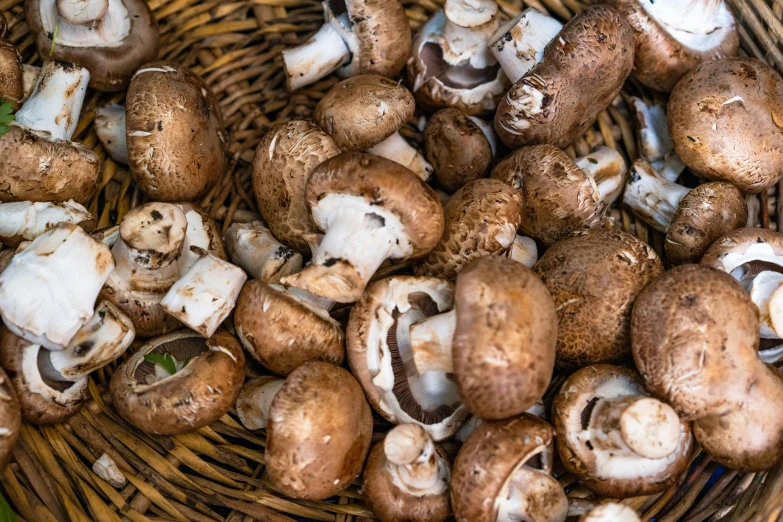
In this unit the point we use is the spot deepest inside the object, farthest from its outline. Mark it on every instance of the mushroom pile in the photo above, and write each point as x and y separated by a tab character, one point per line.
391	281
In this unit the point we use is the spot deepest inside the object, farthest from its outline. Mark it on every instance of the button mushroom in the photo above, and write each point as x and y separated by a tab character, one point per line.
110	127
371	209
179	382
10	419
407	477
110	38
11	74
255	250
26	220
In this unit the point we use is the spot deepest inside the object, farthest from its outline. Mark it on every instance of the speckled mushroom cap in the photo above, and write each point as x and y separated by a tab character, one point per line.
282	332
481	219
745	245
284	160
11	74
318	433
607	465
198	394
364	110
582	70
10	420
725	122
594	278
174	132
558	198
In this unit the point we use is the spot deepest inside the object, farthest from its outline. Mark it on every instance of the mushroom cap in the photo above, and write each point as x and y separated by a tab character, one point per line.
318	432
174	132
504	343
744	245
481	219
71	172
594	278
457	148
111	67
362	111
10	420
11	74
284	159
282	332
558	198
143	308
633	475
695	337
198	394
705	214
386	184
725	119
582	70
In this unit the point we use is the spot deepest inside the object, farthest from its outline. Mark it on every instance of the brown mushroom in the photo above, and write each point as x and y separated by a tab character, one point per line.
26	220
11	75
10	419
255	250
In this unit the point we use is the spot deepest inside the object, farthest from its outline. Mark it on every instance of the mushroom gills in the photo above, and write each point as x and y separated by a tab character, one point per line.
519	44
395	148
110	127
110	30
182	351
458	76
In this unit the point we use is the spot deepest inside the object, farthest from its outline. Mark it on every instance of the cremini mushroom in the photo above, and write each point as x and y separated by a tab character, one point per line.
110	127
370	209
614	437
10	419
504	472
38	162
519	44
723	118
654	141
358	37
407	477
26	220
255	401
199	384
11	74
254	248
610	512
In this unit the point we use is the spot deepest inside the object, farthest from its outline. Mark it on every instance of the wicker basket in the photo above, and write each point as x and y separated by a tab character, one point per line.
217	473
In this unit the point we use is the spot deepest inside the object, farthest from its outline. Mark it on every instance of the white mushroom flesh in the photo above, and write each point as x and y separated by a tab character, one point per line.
611	512
110	127
320	305
607	169
655	143
109	31
431	342
255	401
470	13
763	289
523	250
519	44
322	54
197	234
531	494
489	133
524	107
30	75
26	220
107	469
701	25
254	248
413	463
82	12
651	197
468	45
397	149
35	384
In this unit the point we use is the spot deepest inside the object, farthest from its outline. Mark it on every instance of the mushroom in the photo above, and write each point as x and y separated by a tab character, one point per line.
110	127
694	334
582	70
358	37
504	472
38	162
364	113
523	250
319	431
48	291
560	195
407	477
255	250
610	512
30	74
110	38
11	76
174	133
481	219
10	419
617	440
107	469
594	278
653	139
283	162
26	220
450	64
255	401
723	119
370	209
673	37
200	384
202	232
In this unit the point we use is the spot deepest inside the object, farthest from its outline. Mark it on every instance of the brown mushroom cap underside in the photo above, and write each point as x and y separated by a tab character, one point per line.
388	185
726	122
504	342
738	242
11	74
694	332
110	68
34	168
557	196
318	433
582	70
284	333
284	160
186	136
477	216
364	110
391	504
659	59
594	278
706	213
10	419
148	317
197	395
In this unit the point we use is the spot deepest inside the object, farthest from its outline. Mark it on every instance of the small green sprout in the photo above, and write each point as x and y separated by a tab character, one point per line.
166	361
6	115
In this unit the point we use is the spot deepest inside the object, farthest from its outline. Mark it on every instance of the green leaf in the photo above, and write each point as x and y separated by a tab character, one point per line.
6	115
54	38
6	513
164	361
186	362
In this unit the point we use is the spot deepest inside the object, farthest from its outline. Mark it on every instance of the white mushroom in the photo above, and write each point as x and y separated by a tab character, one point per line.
110	127
519	43
252	247
26	220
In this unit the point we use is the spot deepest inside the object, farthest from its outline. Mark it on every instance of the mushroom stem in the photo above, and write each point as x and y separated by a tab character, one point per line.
56	101
30	75
489	133
519	44
524	250
82	12
655	143
461	43
253	248
531	494
698	24
318	57
26	220
610	512
255	401
110	126
431	342
607	168
651	197
397	149
765	292
413	461
314	301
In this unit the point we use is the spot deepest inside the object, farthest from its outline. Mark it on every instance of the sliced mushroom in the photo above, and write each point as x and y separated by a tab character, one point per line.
10	419
610	512
255	401
11	74
255	250
519	44
110	127
26	220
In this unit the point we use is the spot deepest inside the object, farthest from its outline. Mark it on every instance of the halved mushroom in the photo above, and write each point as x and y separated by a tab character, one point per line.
560	195
110	127
255	401
481	219
11	74
724	120
38	162
10	419
519	44
594	278
110	38
371	209
26	220
197	386
358	37
616	439
653	139
253	248
504	472
610	512
407	477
